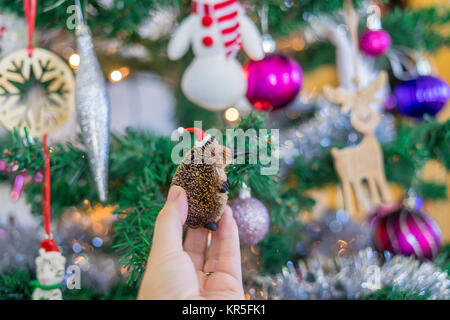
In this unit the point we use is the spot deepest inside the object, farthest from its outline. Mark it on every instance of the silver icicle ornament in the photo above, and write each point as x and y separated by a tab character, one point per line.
92	104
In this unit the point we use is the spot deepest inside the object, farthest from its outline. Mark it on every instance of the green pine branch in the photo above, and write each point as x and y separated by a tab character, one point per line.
418	29
140	173
415	29
15	284
141	170
142	199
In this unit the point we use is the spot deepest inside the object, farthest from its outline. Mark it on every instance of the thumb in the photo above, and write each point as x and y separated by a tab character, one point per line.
168	232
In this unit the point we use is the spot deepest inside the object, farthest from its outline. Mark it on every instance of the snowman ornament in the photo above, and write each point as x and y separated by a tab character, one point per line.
217	29
50	266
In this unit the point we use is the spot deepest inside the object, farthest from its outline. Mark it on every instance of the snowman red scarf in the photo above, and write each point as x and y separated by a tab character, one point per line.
226	15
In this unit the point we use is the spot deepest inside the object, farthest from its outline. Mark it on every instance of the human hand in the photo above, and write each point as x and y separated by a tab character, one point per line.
190	270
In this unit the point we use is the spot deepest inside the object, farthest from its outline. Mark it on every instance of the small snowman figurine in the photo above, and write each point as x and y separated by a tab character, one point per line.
217	29
50	265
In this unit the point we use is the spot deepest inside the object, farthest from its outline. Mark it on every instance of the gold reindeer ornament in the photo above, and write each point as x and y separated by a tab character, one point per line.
363	162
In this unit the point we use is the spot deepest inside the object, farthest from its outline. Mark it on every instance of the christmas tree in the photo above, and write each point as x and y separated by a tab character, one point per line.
346	100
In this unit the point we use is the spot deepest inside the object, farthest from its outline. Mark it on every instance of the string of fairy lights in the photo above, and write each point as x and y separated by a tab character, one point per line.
115	75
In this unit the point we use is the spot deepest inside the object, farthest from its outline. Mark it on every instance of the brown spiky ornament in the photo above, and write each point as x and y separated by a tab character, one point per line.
202	175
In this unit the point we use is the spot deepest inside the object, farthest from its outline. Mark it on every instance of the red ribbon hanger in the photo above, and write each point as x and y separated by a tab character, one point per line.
29	6
45	188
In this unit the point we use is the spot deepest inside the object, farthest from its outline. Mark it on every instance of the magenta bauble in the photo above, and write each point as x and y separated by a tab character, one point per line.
374	43
273	82
400	230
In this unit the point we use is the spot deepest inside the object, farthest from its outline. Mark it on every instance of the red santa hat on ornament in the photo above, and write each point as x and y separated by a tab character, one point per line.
202	136
49	245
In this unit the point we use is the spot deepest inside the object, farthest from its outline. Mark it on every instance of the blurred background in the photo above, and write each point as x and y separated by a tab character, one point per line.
312	248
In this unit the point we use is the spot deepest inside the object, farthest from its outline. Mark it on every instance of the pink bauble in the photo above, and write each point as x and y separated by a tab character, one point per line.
374	43
252	219
405	231
273	82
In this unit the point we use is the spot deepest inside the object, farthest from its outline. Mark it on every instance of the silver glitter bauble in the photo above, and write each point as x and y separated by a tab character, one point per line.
252	219
92	105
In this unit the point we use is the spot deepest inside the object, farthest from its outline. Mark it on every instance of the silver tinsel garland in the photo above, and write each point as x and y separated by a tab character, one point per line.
328	127
351	277
19	246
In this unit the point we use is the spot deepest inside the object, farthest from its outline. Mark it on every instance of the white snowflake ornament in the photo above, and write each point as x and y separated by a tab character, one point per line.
36	91
216	29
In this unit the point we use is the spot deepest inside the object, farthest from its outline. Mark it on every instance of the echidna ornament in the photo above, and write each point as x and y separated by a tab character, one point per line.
202	175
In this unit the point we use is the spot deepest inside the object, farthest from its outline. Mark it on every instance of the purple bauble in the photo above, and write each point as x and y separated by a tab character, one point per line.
273	82
252	219
405	231
374	43
424	95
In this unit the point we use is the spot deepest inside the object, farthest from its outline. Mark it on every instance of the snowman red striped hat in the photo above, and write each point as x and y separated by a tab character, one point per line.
226	14
202	136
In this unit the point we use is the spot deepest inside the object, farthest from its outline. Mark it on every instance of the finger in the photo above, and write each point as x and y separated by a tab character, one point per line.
195	244
168	232
224	254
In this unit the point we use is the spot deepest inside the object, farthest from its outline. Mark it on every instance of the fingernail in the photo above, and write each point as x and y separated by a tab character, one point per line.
174	193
